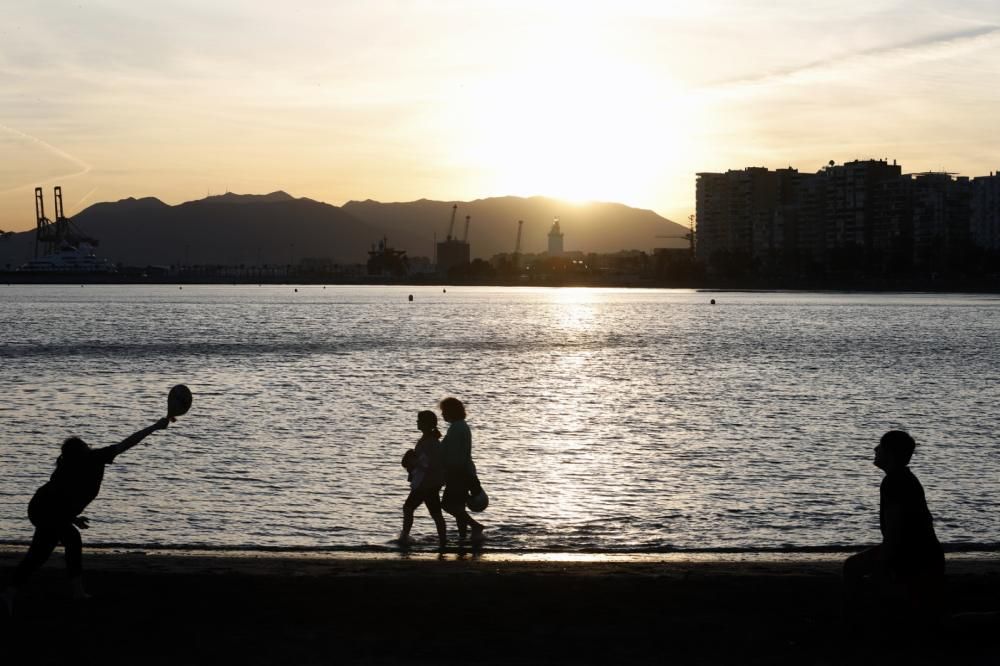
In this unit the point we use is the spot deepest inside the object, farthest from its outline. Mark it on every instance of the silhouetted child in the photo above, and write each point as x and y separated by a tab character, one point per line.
425	472
56	507
910	555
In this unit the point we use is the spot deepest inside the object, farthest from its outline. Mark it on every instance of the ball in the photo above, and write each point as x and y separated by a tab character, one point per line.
178	401
478	502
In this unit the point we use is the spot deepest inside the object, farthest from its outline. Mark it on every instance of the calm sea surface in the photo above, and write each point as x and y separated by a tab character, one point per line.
612	420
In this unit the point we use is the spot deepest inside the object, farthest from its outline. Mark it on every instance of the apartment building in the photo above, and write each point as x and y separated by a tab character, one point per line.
864	215
984	211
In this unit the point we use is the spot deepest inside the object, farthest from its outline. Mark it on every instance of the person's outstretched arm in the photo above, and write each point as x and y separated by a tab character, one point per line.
137	437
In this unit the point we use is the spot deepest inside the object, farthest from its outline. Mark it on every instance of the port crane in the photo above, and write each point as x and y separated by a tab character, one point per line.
517	245
689	236
451	225
54	235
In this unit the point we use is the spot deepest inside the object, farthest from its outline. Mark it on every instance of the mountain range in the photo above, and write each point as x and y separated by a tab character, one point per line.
277	228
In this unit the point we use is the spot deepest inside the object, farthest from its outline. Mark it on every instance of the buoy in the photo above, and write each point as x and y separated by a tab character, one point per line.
713	301
444	291
411	298
296	291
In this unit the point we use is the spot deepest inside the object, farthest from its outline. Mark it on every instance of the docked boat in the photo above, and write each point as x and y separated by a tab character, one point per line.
69	259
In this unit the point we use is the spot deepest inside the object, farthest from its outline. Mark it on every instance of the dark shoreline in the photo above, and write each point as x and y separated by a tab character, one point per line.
160	608
979	286
983	550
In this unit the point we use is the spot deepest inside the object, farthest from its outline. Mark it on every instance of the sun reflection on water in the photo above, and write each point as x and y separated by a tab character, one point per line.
574	308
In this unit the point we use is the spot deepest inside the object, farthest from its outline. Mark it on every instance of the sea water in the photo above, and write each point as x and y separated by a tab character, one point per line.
602	420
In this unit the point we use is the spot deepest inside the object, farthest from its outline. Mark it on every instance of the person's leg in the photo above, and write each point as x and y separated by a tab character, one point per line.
475	527
44	541
460	516
433	502
409	506
474	489
926	591
857	569
463	519
453	502
73	545
455	505
863	564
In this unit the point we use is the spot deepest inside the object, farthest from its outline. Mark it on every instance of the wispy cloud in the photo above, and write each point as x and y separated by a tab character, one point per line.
928	47
82	168
79	203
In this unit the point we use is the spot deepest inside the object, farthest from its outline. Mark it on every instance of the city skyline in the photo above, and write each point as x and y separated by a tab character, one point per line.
862	217
397	102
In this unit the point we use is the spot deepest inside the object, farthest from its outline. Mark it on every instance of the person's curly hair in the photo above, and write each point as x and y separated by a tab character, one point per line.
453	406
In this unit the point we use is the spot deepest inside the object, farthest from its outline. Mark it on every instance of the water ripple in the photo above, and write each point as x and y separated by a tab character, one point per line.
603	420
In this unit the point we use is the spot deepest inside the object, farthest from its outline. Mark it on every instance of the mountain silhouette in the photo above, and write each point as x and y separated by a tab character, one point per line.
230	197
590	227
277	229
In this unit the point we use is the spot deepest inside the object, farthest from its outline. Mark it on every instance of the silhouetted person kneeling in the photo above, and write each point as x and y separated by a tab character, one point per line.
910	557
56	507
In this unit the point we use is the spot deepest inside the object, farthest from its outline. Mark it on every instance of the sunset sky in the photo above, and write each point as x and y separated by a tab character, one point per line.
612	101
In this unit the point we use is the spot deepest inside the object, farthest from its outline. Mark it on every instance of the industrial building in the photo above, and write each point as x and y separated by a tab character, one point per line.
555	239
452	252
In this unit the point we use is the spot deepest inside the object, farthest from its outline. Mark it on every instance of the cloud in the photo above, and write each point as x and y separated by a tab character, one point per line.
929	47
82	168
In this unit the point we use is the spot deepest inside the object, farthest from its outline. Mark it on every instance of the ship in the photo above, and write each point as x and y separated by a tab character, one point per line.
67	251
70	259
385	261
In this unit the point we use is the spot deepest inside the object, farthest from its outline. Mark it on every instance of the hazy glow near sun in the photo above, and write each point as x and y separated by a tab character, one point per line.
580	125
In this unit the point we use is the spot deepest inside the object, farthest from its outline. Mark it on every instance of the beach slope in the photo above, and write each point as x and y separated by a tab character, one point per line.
194	608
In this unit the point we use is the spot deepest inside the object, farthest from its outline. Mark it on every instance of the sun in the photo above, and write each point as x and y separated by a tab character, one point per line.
575	125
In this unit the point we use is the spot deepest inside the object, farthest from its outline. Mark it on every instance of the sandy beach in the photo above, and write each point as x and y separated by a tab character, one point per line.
168	607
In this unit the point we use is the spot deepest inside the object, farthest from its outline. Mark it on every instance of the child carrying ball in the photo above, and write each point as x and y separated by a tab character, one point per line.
425	468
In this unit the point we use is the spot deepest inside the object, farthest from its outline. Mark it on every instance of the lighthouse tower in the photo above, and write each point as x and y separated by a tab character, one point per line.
555	239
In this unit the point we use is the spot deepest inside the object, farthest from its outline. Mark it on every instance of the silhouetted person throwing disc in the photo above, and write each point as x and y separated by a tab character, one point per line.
56	507
910	555
459	472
